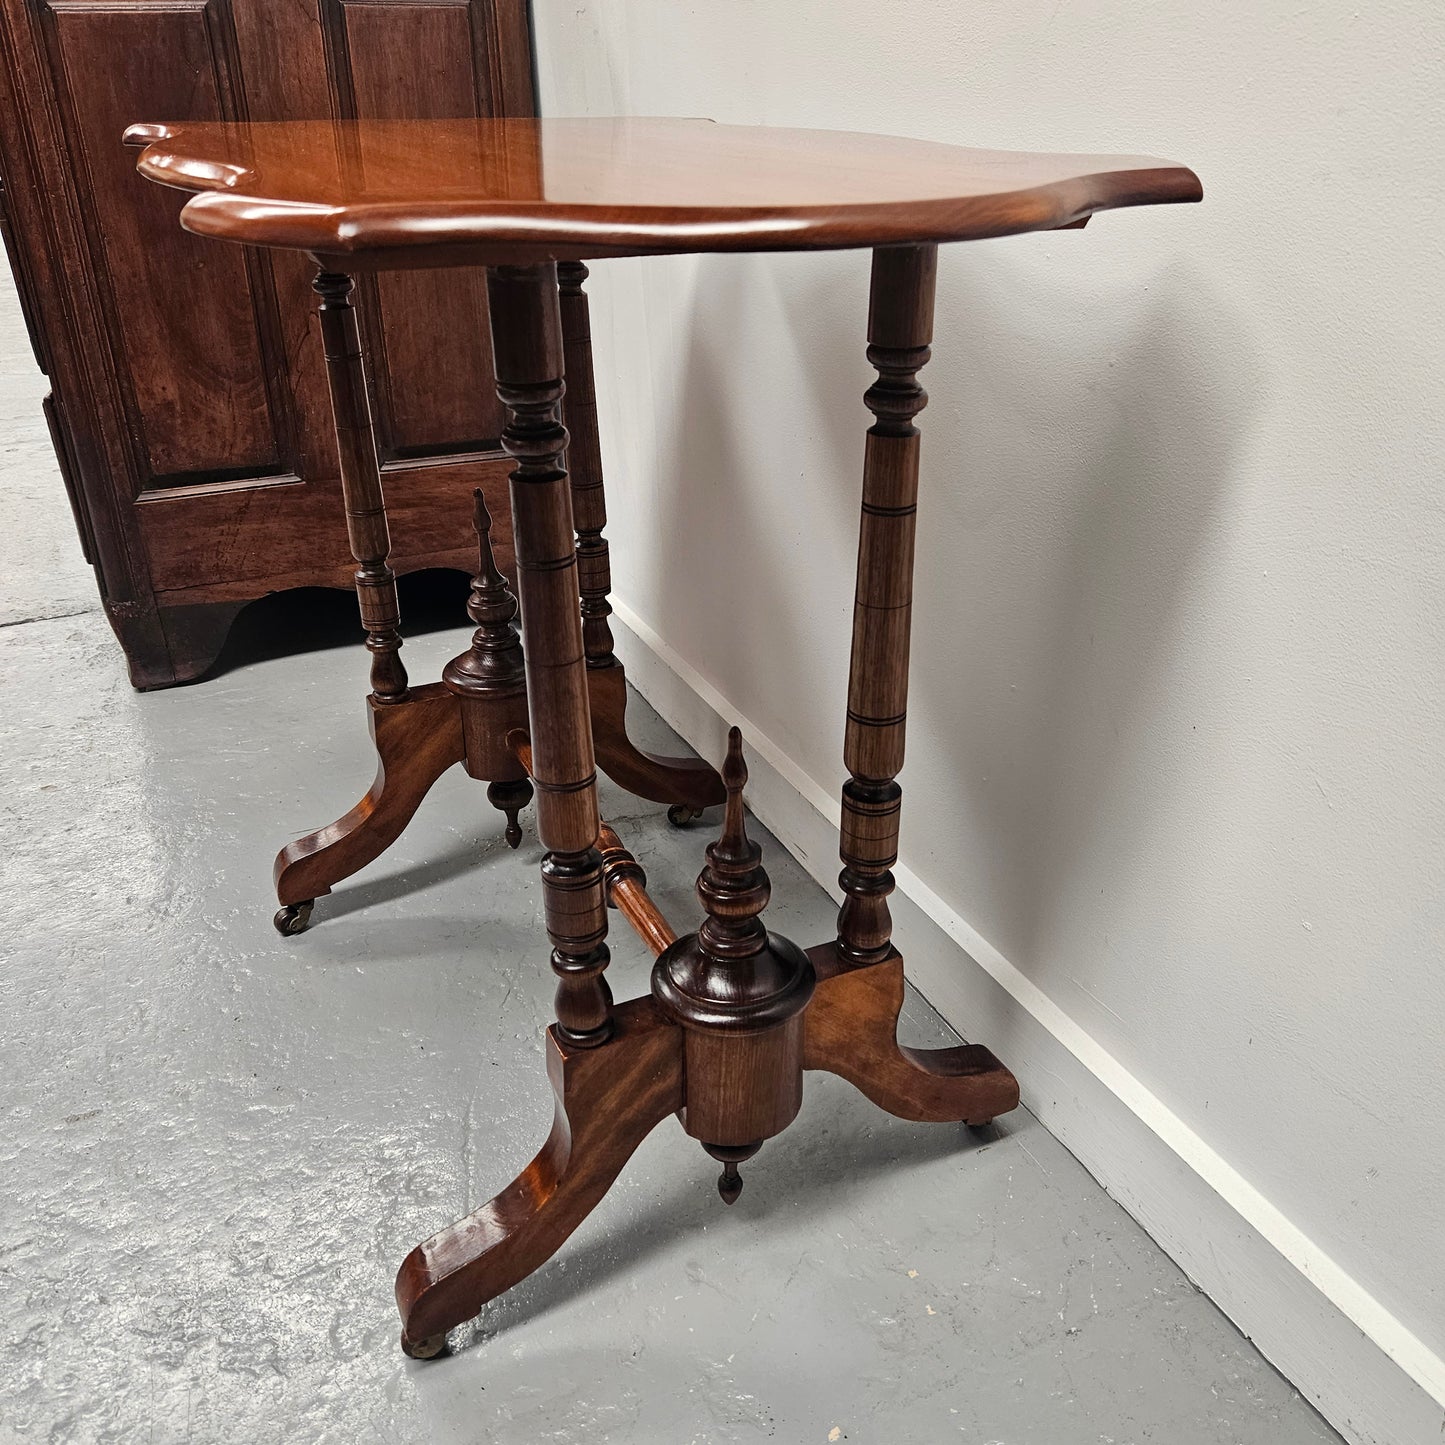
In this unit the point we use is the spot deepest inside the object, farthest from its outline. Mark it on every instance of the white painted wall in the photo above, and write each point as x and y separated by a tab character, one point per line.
1175	738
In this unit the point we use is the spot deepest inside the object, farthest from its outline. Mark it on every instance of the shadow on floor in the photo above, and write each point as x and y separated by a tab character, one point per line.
841	1155
467	856
317	619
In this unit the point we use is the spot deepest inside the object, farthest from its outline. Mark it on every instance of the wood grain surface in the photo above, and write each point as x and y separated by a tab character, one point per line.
437	192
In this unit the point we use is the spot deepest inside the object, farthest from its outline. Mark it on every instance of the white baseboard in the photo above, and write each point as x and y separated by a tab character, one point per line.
1366	1373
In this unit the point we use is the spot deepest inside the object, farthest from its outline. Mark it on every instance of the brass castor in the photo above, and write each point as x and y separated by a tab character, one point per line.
294	918
681	814
984	1128
427	1349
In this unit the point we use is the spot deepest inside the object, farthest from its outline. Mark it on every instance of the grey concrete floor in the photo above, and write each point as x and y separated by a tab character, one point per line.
220	1143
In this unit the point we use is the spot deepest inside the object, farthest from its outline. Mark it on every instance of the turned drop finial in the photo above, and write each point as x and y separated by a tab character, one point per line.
730	1182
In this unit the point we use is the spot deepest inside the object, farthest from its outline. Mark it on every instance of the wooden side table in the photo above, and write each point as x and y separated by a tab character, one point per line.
736	1013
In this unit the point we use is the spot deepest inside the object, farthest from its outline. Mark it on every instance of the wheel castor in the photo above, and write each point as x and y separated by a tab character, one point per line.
681	814
294	918
984	1128
427	1349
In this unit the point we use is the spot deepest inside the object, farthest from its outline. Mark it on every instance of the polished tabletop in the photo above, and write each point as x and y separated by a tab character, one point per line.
526	189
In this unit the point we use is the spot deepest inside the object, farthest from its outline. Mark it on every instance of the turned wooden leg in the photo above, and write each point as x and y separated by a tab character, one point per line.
687	784
900	327
361	486
527	348
615	1074
851	1025
584	466
417	740
417	746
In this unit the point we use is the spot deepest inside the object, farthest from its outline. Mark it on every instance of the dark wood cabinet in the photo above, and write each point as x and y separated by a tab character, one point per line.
189	405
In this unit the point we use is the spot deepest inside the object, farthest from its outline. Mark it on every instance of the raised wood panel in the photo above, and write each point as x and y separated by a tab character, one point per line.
435	393
270	532
282	62
422	59
414	59
182	309
282	59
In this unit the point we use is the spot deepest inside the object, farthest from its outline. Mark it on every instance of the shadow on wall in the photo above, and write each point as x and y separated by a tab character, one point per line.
1051	620
1077	455
316	619
735	462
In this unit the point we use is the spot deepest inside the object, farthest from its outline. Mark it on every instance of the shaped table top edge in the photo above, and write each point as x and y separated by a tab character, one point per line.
425	231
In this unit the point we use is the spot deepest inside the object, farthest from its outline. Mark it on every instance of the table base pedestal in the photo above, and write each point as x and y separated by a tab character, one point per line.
421	735
737	1014
420	732
714	1076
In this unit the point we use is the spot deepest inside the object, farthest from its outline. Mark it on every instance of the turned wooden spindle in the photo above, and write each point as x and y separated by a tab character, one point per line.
739	993
527	352
584	467
361	485
900	328
491	669
626	886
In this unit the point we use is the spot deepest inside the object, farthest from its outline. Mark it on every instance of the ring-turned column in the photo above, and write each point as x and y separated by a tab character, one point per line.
527	353
366	527
584	467
900	328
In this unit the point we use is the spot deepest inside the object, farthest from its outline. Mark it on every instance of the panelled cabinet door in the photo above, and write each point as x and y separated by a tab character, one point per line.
192	326
199	410
427	333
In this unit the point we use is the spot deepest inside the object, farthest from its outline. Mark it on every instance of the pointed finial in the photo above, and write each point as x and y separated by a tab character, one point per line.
489	574
492	665
733	845
494	660
733	887
735	766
